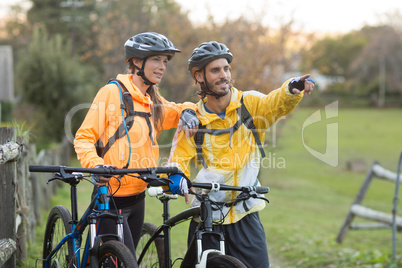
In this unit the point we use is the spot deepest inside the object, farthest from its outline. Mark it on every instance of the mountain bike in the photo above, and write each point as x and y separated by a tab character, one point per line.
64	232
154	248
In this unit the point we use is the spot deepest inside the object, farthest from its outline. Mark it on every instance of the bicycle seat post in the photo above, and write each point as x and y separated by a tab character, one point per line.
166	213
166	231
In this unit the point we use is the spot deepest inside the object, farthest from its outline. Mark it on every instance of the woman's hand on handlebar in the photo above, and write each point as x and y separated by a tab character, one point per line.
100	180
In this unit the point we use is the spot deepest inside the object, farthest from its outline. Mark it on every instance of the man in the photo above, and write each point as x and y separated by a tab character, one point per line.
231	155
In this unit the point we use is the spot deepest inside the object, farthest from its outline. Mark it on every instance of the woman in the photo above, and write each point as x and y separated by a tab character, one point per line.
147	55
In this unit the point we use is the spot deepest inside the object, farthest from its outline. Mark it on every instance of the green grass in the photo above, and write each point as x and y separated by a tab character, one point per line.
310	199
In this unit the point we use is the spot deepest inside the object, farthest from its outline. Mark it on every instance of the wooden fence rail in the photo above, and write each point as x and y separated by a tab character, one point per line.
23	195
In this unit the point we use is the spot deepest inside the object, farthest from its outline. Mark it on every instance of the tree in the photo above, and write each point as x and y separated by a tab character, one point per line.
333	55
377	68
123	19
16	31
261	54
368	59
72	20
53	81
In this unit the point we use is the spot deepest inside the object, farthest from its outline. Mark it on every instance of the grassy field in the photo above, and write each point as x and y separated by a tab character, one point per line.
310	198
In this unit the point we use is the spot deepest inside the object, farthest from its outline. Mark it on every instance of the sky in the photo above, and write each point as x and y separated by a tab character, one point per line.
338	16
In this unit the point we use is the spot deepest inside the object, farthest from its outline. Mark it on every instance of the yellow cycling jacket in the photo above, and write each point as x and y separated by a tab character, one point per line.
233	160
102	120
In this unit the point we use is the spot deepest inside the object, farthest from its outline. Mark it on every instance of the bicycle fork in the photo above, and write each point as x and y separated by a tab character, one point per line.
202	256
196	256
95	239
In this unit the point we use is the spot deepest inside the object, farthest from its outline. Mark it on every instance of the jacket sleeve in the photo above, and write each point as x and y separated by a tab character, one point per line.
182	153
172	112
93	127
270	108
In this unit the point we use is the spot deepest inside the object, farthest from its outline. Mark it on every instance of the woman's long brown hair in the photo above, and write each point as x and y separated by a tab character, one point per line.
157	107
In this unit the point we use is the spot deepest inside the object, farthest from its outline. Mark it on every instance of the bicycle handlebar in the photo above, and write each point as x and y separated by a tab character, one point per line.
108	171
210	186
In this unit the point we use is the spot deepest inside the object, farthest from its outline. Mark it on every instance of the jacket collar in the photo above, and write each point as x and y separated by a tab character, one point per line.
207	118
137	95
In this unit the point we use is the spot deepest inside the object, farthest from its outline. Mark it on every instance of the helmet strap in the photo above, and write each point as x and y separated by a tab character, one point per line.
141	73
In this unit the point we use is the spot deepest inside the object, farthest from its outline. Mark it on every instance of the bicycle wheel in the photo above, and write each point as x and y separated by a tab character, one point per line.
224	261
153	255
57	227
115	254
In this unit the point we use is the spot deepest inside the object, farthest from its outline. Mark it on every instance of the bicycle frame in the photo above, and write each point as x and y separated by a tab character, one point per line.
89	218
164	229
96	211
195	250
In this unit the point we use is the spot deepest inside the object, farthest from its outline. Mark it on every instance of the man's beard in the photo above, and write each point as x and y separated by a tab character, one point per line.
219	93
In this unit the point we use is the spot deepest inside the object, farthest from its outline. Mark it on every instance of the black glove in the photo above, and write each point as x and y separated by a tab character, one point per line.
188	119
298	84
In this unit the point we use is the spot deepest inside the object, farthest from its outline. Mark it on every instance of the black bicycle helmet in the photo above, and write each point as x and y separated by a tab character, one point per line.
207	52
147	44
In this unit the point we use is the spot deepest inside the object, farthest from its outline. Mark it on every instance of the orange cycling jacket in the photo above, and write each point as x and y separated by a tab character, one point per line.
102	121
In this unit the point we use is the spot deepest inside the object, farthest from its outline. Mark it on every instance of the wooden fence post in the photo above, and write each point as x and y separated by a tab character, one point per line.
23	199
36	211
7	195
381	219
23	195
358	200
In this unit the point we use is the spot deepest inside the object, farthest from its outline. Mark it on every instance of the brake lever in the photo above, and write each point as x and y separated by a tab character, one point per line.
148	177
66	177
253	194
166	180
154	180
263	198
57	176
160	182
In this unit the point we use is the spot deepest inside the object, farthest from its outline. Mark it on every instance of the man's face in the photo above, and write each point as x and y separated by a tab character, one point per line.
218	76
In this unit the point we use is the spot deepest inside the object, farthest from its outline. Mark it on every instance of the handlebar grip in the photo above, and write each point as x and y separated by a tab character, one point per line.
167	170
261	190
34	168
155	191
158	191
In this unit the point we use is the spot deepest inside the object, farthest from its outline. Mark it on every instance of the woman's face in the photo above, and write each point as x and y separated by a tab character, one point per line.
155	68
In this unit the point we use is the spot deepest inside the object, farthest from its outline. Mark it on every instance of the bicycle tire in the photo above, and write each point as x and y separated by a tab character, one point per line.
224	261
115	254
154	254
58	226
